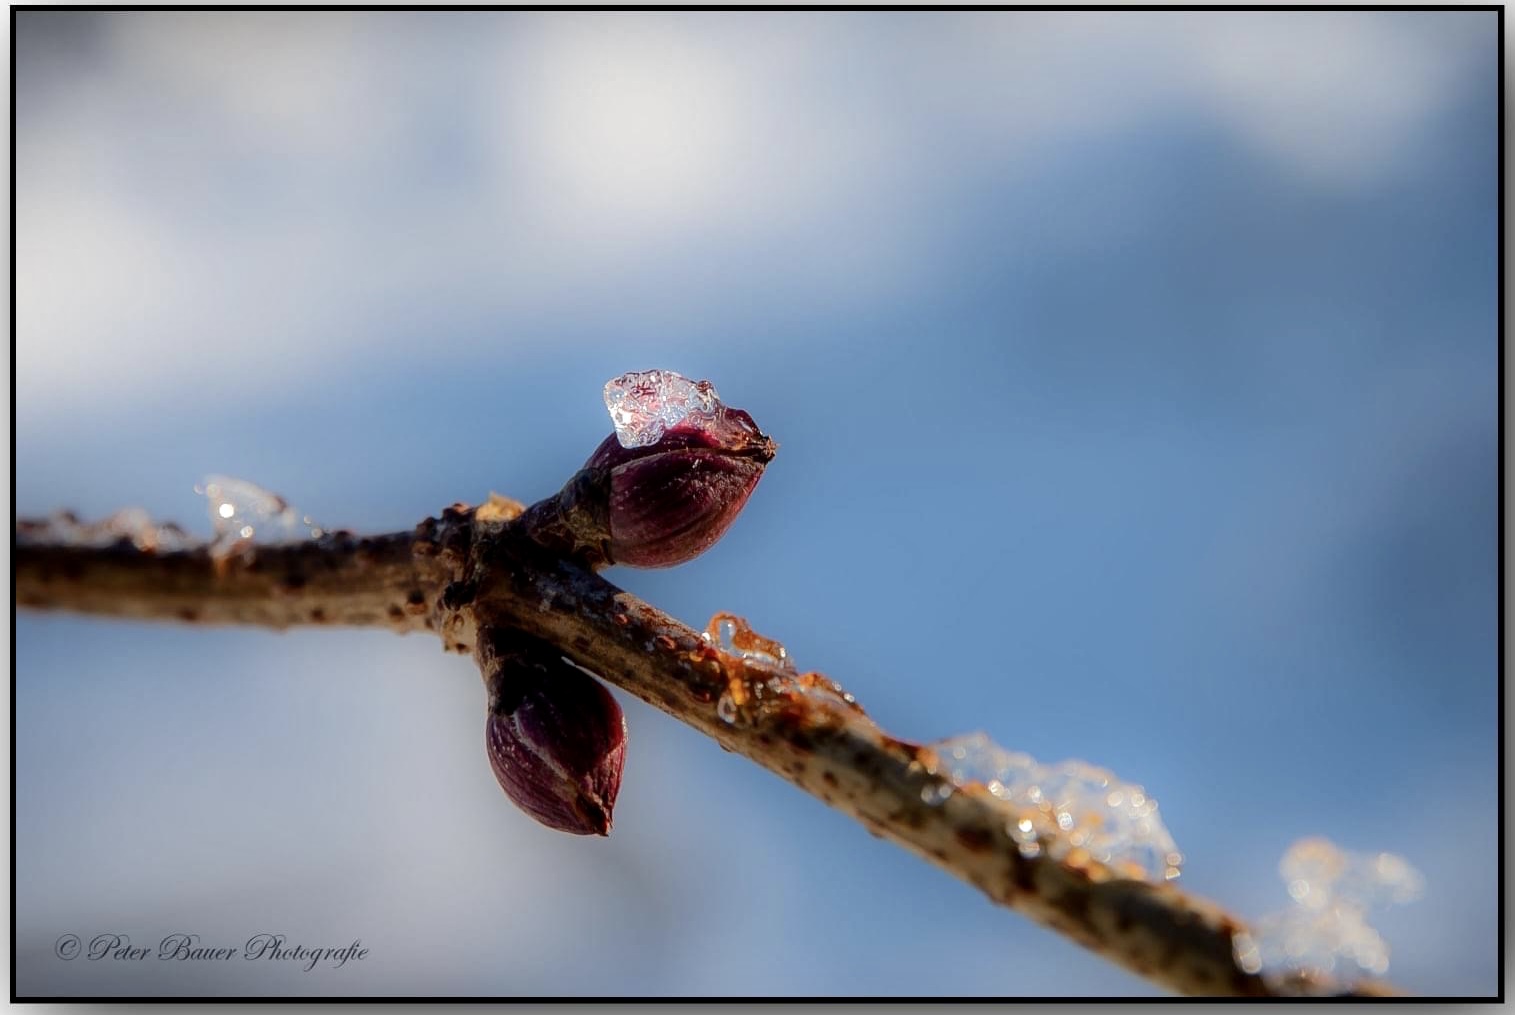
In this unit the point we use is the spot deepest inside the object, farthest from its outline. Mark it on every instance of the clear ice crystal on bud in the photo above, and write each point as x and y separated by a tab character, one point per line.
1324	934
646	404
243	514
1067	806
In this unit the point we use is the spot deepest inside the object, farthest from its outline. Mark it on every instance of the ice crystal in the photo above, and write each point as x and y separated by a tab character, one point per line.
1062	807
1324	934
646	404
735	639
734	636
243	514
128	526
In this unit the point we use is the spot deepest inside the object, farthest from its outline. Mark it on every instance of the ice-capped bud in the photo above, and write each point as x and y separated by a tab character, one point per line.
556	739
678	469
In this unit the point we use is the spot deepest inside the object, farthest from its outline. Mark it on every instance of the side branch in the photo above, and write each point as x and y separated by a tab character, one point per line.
382	581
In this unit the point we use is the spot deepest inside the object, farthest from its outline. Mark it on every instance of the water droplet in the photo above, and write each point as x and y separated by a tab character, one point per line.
1022	831
733	636
936	793
1248	956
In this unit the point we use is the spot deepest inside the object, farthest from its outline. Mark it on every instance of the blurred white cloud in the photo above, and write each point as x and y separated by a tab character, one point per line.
625	120
226	201
304	88
1338	96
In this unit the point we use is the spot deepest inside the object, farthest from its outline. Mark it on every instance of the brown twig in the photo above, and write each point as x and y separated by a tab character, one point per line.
476	570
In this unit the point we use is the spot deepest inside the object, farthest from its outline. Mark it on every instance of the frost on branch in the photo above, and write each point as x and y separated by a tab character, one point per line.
1324	937
1062	808
130	525
242	514
734	636
731	640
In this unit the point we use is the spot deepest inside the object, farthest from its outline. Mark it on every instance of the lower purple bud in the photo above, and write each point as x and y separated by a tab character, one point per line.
557	742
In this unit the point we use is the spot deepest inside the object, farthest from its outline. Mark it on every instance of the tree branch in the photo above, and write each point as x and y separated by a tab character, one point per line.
474	570
379	581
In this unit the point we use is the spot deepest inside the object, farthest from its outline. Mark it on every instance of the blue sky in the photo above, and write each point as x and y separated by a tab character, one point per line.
1136	382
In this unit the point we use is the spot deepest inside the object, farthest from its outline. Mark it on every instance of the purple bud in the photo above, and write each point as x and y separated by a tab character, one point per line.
556	741
672	500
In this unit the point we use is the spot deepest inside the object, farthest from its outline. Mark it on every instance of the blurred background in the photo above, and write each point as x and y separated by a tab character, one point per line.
1136	382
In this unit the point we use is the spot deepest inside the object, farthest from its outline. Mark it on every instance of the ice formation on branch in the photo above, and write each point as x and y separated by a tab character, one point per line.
1325	934
242	514
130	525
1064	807
646	404
734	636
731	639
